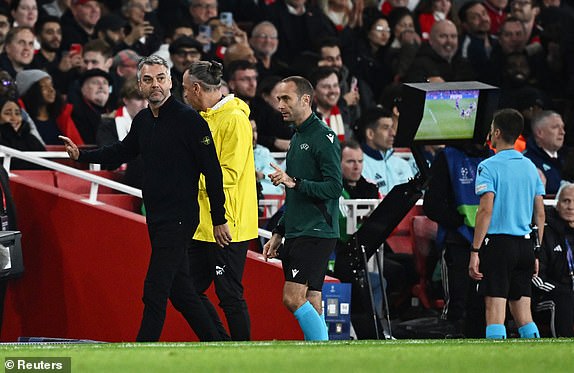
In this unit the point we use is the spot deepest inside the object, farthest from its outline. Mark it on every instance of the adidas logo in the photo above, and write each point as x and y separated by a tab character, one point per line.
294	272
558	248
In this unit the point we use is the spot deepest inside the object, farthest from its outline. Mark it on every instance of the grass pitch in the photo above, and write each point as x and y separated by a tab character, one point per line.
513	355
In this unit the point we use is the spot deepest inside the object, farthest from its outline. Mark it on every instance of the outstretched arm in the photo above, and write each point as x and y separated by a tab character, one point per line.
71	148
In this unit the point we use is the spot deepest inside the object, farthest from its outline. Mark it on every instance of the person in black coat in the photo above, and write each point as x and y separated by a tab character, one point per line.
9	210
555	280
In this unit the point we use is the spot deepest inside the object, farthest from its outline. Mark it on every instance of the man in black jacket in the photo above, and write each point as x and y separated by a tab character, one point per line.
555	280
176	146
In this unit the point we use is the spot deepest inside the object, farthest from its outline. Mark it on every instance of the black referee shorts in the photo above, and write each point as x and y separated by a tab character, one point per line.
507	263
305	260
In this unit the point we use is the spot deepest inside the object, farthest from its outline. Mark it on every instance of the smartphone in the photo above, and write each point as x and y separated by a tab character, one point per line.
354	85
226	19
75	48
205	34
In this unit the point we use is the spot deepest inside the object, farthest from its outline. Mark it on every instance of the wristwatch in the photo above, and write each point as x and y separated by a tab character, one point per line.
297	182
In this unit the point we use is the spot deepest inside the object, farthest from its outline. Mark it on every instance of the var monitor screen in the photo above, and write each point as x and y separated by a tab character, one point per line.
448	115
445	113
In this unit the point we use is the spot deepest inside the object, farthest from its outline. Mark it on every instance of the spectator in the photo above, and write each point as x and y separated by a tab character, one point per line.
272	132
8	90
405	42
49	34
200	11
438	60
295	21
381	167
511	39
143	33
87	112
526	11
544	147
111	29
555	280
183	51
476	43
79	22
242	80
342	13
18	50
15	133
366	53
228	119
51	116
264	41
327	94
125	64
24	12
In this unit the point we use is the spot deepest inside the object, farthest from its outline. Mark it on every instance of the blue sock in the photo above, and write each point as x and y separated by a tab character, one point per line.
529	331
313	327
495	331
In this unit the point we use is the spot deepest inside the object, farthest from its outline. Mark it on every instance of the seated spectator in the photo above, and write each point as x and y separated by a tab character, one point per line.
18	50
511	39
555	280
111	29
15	133
404	44
342	13
24	12
4	26
241	78
95	90
325	81
381	166
264	40
79	22
143	33
51	116
438	60
239	51
365	52
8	90
124	66
296	21
182	51
544	147
273	132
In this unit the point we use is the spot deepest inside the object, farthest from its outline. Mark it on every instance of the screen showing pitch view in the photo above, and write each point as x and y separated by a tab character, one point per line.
448	115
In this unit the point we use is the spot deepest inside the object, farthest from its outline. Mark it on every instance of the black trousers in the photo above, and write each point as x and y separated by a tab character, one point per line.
563	298
168	277
224	267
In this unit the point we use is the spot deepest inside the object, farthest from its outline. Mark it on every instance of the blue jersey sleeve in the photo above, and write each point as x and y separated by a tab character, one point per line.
484	180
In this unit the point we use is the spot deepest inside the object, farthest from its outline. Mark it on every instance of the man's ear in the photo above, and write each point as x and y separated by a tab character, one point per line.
369	133
108	63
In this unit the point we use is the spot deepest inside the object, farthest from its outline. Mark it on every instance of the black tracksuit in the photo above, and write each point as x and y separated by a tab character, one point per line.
175	147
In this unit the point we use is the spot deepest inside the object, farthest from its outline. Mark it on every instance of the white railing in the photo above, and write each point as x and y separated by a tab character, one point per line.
36	158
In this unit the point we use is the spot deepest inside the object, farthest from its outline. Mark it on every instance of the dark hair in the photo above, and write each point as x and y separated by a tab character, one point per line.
34	99
370	118
236	66
510	123
351	144
6	13
329	42
370	16
465	7
9	89
302	86
98	45
208	73
266	85
397	14
42	21
321	73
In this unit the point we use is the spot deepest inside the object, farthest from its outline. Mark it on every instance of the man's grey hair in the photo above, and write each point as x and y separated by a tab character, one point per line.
154	59
563	186
539	119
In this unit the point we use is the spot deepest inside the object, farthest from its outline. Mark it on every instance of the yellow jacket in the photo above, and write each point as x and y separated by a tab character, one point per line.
233	137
